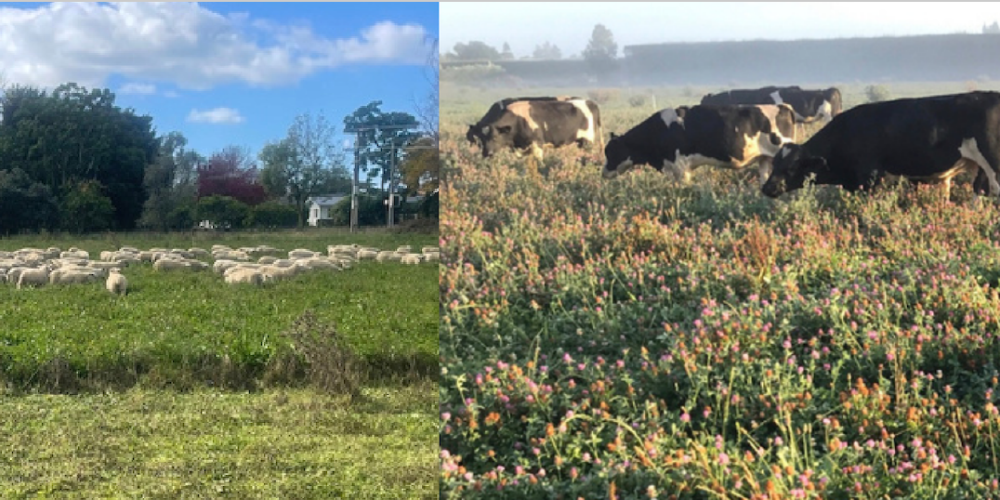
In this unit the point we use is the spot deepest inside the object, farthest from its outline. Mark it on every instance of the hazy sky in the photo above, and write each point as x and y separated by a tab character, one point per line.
569	25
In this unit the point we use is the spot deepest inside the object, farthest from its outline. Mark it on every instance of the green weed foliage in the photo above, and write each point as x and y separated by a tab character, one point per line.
636	338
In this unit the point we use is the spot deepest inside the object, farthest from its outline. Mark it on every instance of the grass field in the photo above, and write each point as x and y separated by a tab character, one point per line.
187	329
193	388
635	338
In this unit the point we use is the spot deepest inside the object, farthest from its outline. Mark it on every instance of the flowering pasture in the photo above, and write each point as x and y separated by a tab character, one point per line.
636	338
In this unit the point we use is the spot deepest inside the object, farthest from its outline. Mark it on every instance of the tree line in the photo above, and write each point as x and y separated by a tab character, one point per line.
72	160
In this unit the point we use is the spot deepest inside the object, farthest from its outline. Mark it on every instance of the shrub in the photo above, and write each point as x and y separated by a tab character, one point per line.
271	215
877	93
223	211
603	96
332	366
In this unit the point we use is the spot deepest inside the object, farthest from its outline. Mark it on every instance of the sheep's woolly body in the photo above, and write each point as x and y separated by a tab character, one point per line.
116	283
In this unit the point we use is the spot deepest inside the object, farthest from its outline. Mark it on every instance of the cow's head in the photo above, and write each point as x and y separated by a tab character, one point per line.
472	136
790	169
619	158
496	137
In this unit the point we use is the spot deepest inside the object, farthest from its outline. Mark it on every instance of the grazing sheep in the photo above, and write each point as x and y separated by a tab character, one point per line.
116	283
171	265
125	261
411	258
245	275
281	273
220	266
129	249
74	254
231	255
367	254
199	252
240	267
426	250
282	263
387	255
404	249
301	253
33	277
66	276
320	263
267	259
432	257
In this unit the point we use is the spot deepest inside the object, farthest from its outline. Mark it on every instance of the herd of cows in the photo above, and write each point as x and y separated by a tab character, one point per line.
925	140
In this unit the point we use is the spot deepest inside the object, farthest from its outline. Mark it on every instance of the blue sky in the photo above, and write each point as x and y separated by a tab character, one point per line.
227	73
637	23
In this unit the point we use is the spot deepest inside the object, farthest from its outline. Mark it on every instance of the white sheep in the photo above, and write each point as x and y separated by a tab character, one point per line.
116	283
427	250
245	275
432	257
301	253
33	277
411	258
171	265
66	276
267	259
367	255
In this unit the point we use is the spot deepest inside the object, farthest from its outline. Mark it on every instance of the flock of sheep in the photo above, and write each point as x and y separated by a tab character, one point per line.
33	267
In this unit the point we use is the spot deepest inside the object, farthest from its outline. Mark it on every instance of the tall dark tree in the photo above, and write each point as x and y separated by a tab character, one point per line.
74	135
382	139
601	53
507	54
25	205
168	183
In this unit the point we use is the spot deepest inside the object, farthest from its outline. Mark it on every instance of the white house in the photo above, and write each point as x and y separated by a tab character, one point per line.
319	206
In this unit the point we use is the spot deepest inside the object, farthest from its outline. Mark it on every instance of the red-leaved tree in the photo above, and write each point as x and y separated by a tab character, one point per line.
231	173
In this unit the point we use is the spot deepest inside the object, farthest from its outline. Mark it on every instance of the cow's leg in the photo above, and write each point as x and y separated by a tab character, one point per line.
764	164
537	151
987	158
679	172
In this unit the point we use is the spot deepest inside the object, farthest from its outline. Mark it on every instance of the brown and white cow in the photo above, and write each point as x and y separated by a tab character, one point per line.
530	123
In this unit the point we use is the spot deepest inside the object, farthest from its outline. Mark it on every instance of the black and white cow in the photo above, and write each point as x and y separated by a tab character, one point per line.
533	122
679	139
809	105
927	140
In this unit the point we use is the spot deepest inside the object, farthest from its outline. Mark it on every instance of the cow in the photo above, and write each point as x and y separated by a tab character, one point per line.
924	139
809	105
533	122
678	139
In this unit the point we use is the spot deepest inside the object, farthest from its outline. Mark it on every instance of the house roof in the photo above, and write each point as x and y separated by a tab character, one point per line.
330	199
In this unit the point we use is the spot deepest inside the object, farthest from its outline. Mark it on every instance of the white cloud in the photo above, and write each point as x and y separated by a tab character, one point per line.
171	94
138	88
184	44
217	115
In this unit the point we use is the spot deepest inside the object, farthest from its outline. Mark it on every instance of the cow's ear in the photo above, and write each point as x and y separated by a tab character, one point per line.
775	139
